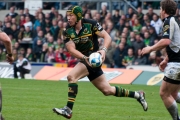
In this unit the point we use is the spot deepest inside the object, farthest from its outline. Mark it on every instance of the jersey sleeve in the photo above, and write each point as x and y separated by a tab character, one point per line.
97	27
168	29
66	37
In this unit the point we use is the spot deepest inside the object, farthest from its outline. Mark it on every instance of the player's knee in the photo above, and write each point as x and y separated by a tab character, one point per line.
106	92
71	79
164	94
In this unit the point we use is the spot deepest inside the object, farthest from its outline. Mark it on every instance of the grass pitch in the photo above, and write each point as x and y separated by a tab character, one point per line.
34	100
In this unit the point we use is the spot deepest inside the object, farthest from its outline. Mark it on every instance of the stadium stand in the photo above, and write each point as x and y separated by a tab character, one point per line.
38	34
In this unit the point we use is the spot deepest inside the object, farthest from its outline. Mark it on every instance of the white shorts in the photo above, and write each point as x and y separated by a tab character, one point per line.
172	71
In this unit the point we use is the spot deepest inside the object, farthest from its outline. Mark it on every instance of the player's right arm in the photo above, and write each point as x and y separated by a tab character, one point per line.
7	43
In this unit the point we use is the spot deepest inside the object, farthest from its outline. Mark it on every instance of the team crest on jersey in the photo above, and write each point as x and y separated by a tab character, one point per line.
85	31
165	28
72	35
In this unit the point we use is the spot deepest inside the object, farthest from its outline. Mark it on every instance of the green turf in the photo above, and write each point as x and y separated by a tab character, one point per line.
34	100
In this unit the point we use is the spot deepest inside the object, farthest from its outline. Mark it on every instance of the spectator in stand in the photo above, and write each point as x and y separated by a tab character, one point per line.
108	17
40	11
12	13
59	43
8	29
150	13
156	23
18	17
22	51
2	55
131	38
87	16
60	56
50	55
145	18
22	20
54	29
20	33
127	60
13	22
41	37
130	13
15	54
29	55
98	18
71	61
28	23
27	35
147	39
16	46
60	29
138	44
127	25
50	42
27	14
140	15
38	51
148	24
84	9
39	22
44	51
139	59
15	32
60	17
116	17
103	12
143	30
137	26
132	20
52	15
109	55
35	32
110	26
118	55
48	22
47	31
153	35
120	25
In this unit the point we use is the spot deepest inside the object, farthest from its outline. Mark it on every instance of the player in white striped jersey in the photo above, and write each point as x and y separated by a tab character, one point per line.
171	64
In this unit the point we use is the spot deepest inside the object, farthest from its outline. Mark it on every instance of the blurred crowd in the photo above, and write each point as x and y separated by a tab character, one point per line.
39	37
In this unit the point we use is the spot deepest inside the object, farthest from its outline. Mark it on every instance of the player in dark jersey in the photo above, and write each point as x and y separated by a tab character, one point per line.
171	64
81	39
8	45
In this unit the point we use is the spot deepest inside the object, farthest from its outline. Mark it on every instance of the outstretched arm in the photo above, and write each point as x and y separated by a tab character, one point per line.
8	45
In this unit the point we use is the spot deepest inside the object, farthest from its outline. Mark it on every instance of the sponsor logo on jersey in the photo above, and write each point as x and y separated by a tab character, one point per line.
165	28
165	34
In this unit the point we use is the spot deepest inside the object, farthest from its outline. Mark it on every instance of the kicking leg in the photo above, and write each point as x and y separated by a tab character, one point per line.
103	85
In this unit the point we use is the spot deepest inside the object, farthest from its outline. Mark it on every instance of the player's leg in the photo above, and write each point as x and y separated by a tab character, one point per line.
102	84
79	71
166	91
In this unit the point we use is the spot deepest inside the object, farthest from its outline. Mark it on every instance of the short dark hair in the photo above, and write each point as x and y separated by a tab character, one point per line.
169	6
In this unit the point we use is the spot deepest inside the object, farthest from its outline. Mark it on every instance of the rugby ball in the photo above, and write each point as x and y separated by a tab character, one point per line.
95	59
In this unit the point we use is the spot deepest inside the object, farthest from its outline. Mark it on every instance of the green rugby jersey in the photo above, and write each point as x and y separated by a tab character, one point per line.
86	40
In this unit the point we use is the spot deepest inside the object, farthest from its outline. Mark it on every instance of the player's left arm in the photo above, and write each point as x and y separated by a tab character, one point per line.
99	31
